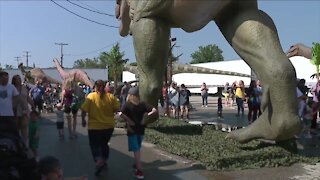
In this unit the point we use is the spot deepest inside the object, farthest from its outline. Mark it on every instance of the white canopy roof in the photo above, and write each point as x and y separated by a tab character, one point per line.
304	69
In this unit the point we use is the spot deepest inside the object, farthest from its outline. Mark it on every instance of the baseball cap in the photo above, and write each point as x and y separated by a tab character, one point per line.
134	91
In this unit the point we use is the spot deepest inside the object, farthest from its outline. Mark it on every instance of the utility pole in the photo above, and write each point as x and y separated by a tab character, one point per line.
27	57
61	49
18	60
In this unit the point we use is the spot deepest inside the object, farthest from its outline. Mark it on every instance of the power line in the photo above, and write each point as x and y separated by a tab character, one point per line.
90	52
91	9
80	1
82	16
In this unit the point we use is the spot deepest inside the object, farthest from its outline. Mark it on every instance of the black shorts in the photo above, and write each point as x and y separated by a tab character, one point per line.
68	110
39	104
60	125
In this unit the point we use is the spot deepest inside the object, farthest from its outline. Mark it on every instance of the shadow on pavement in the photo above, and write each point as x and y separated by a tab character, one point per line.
180	130
76	159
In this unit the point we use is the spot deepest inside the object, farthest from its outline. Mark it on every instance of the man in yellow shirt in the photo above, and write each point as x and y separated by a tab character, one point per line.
240	97
100	107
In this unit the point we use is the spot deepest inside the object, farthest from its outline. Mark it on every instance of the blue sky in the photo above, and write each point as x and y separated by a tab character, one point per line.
36	26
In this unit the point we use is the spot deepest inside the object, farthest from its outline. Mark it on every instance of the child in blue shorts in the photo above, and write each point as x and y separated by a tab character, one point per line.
307	118
133	112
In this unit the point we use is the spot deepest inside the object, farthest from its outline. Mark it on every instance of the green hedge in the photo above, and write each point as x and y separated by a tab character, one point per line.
209	147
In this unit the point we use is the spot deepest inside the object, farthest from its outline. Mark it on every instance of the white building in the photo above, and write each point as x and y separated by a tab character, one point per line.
304	69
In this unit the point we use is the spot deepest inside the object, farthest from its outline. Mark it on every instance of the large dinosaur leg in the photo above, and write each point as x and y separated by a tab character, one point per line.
254	37
151	43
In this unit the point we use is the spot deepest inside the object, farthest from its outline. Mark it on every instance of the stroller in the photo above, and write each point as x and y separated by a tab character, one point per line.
16	163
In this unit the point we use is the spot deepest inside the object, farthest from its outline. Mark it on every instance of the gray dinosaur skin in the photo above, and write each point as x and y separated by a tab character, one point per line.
250	32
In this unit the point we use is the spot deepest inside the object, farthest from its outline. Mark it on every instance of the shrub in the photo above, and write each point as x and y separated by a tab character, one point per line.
208	146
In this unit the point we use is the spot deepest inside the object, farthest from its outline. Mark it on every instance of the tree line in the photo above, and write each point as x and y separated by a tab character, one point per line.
114	61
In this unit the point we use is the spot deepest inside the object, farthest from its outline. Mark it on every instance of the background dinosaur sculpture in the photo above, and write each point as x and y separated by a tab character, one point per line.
74	75
36	74
250	32
186	68
300	50
310	53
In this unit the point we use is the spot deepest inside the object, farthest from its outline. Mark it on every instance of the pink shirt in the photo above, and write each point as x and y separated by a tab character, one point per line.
315	89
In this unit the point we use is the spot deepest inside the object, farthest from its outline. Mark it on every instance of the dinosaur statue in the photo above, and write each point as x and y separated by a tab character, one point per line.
186	68
36	74
251	33
300	50
74	75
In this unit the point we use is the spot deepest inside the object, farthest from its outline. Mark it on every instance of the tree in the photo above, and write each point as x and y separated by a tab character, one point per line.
114	60
316	58
87	63
209	53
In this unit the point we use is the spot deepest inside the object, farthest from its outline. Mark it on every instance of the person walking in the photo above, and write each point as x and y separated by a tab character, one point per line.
36	94
204	95
252	102
315	97
240	97
173	94
259	91
133	113
164	101
124	93
34	133
72	98
184	101
21	110
100	107
226	93
60	121
8	93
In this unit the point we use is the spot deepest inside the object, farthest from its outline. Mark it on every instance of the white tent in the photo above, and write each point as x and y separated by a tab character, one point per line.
304	69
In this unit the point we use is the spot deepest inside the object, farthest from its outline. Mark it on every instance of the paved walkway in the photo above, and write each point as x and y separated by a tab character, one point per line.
158	165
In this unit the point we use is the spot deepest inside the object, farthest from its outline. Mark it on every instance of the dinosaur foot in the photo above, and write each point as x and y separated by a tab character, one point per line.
278	127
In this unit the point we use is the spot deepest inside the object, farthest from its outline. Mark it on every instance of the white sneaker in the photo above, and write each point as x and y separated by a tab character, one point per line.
202	106
206	105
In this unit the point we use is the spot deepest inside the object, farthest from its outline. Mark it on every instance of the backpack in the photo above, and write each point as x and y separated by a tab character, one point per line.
37	94
184	96
75	103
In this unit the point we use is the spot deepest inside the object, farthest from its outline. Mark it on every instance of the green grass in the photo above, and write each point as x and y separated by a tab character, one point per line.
209	147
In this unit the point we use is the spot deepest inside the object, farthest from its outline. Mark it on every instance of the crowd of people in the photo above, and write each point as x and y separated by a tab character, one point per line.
239	94
176	100
22	106
179	103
